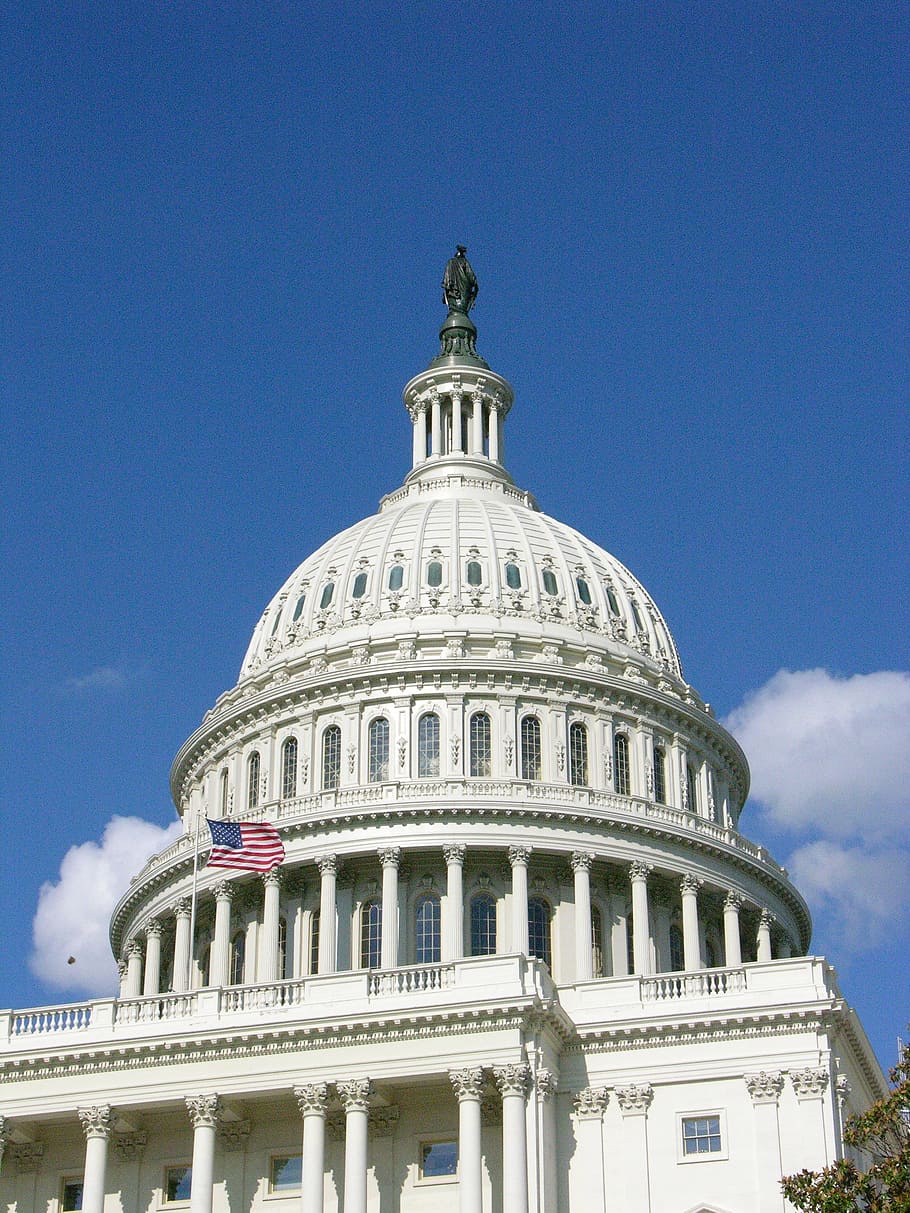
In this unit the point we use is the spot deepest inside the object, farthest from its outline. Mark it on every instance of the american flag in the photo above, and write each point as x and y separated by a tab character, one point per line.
250	846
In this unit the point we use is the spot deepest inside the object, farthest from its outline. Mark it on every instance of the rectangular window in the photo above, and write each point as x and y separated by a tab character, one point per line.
438	1159
701	1137
71	1195
177	1183
285	1172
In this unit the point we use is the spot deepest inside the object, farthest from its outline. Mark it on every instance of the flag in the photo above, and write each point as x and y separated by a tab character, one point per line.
250	846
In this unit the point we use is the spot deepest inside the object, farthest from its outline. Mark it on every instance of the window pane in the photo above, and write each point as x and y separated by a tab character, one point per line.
636	617
597	942
72	1195
428	931
360	586
438	1158
371	935
578	755
539	929
379	751
584	592
286	1173
691	788
611	599
483	925
513	576
298	609
621	764
331	757
530	748
289	769
314	942
481	746
660	776
701	1134
238	958
428	746
252	787
434	574
676	948
475	575
282	948
396	577
549	582
328	592
177	1183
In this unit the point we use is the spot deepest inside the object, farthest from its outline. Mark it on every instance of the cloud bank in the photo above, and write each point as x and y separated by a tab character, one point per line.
73	912
830	761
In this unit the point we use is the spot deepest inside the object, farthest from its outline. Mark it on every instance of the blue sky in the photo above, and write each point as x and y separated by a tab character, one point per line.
224	231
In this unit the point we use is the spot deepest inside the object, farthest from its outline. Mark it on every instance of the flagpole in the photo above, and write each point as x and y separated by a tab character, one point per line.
189	960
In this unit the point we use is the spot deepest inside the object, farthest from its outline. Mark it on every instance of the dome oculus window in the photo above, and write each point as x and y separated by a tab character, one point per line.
611	600
474	573
636	617
396	577
549	582
513	576
584	590
434	574
298	609
360	586
328	593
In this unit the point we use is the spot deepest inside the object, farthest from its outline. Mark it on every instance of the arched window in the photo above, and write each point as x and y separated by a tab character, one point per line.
224	792
298	609
428	745
396	577
513	576
481	746
378	751
314	942
427	930
371	934
483	925
584	590
611	599
578	755
360	586
530	748
621	764
677	962
282	948
238	958
691	788
539	929
549	582
289	769
598	968
328	593
434	574
639	626
252	780
331	757
475	573
660	775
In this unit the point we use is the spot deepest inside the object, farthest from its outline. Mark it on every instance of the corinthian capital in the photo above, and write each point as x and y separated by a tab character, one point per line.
733	901
690	883
639	870
203	1110
590	1103
355	1094
96	1121
390	857
634	1098
765	1086
519	855
809	1084
581	861
467	1083
312	1098
512	1079
454	852
327	864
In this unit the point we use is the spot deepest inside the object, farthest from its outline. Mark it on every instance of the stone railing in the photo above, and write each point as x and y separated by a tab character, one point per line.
44	1020
705	983
413	980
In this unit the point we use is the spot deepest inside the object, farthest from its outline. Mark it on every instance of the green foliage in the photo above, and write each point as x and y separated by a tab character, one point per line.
882	1134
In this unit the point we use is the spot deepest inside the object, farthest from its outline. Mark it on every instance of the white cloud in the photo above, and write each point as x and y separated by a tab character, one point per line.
102	678
830	760
73	912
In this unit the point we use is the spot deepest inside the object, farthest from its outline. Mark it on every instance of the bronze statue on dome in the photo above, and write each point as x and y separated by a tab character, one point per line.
459	283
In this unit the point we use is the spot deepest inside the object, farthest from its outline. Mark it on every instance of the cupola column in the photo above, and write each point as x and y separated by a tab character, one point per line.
457	442
133	968
328	871
453	935
477	423
512	1081
182	911
220	968
435	426
764	936
641	935
420	435
203	1111
152	977
390	858
494	439
96	1124
468	1085
518	858
689	886
268	948
733	952
312	1100
584	960
355	1096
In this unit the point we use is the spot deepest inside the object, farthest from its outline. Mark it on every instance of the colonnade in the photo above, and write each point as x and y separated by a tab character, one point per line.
142	967
441	418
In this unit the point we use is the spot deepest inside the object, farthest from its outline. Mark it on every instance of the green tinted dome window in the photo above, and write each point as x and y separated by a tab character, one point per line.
396	577
328	593
637	618
434	574
475	573
276	623
549	582
513	576
611	599
298	609
584	590
360	585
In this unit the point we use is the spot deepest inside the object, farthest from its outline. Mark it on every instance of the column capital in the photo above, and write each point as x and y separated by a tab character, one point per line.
766	919
274	877
581	861
327	864
590	1102
233	1134
639	870
810	1083
203	1110
467	1083
134	947
224	890
96	1121
390	857
733	901
183	907
519	855
690	883
634	1098
513	1078
764	1086
121	969
354	1094
312	1098
153	928
545	1081
454	852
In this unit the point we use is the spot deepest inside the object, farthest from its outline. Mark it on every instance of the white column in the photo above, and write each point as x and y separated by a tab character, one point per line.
584	960
220	968
477	424
811	1086
181	978
121	977
355	1096
453	935
203	1111
436	427
764	936
268	945
133	968
420	436
765	1088
512	1081
518	858
328	870
547	1182
96	1124
586	1176
641	931
733	952
312	1100
390	858
493	435
468	1085
152	977
634	1101
689	886
457	428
